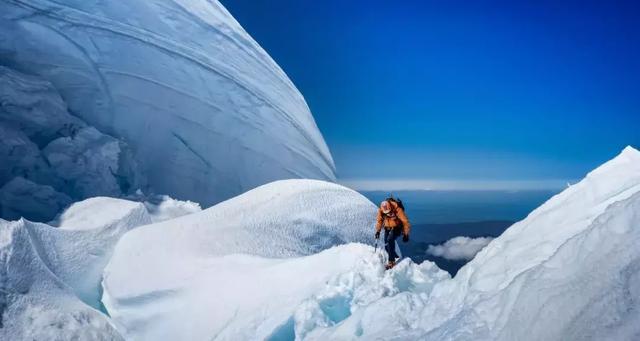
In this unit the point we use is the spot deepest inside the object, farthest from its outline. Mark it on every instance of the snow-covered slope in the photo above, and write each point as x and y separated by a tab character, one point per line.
190	265
206	111
569	271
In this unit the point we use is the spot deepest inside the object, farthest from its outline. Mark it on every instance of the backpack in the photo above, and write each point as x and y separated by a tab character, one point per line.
397	201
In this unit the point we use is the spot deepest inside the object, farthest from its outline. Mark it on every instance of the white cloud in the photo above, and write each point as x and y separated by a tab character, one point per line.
459	248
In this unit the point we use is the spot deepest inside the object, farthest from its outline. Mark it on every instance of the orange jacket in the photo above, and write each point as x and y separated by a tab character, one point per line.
395	218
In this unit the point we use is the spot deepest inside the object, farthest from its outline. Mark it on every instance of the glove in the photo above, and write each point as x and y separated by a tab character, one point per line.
405	238
377	234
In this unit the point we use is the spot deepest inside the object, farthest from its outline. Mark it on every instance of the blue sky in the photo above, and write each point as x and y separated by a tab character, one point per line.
476	91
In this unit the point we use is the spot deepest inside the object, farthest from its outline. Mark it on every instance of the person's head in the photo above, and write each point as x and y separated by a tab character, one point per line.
385	206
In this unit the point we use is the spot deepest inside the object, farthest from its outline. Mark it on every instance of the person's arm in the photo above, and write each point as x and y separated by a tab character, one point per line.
379	221
405	222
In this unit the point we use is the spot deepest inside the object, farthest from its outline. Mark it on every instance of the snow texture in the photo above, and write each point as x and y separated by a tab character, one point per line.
50	277
35	304
190	265
459	248
569	271
206	111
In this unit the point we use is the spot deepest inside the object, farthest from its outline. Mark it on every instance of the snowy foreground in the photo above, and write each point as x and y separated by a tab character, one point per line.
100	98
263	266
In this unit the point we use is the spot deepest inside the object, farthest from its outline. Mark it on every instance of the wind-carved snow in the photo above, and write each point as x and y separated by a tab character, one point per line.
193	263
207	112
35	304
50	275
570	270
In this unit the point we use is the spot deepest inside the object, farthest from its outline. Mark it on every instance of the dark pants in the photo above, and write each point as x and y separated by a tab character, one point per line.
390	237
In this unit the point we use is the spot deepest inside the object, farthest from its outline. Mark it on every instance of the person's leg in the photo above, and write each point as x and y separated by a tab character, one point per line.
390	240
397	232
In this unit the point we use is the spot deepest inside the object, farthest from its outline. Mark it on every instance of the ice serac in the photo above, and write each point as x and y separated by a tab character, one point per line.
207	112
48	157
235	268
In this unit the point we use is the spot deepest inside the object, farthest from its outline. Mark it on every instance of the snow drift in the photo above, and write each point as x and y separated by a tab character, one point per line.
189	265
570	270
207	113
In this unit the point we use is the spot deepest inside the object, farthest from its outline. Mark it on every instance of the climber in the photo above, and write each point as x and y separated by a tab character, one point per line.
391	216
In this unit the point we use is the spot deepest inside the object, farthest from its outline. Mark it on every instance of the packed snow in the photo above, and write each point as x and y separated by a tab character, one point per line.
568	271
192	263
205	111
459	248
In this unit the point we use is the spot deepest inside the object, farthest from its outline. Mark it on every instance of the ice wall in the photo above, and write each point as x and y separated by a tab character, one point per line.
50	158
206	111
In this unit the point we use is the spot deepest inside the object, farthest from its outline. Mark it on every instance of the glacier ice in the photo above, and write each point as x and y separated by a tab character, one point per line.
49	158
205	110
24	198
570	270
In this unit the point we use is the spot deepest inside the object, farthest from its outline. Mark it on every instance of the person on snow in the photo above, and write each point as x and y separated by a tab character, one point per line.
391	216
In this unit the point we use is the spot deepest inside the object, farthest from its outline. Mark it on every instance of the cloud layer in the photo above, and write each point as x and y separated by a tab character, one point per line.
459	248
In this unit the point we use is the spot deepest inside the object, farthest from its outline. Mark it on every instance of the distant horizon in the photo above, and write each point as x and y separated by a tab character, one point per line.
371	185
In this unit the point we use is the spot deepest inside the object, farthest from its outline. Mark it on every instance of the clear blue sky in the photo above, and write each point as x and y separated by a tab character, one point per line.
460	90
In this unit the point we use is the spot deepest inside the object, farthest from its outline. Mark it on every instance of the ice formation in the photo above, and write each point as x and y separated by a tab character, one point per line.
48	157
178	86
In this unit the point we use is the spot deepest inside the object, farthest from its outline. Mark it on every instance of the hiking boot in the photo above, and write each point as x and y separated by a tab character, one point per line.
390	265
